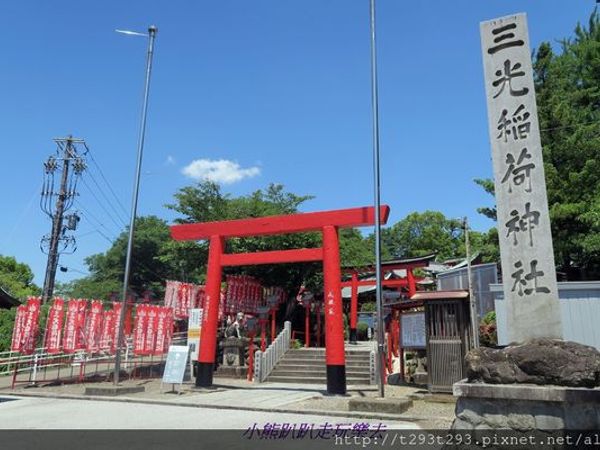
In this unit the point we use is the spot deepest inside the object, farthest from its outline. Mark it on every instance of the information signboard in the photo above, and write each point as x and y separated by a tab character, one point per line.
194	331
412	330
176	364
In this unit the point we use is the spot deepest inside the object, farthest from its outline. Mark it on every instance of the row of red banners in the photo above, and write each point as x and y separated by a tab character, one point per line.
153	330
184	296
244	294
91	329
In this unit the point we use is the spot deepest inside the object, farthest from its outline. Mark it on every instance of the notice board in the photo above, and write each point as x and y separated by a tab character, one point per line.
412	330
176	364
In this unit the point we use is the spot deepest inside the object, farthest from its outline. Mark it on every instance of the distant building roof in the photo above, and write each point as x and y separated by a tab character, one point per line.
440	295
393	264
7	301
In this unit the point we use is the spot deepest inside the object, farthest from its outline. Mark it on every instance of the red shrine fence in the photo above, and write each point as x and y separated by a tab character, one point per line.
79	340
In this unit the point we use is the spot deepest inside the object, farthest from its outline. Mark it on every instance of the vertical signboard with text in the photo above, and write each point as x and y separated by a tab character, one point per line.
194	330
527	256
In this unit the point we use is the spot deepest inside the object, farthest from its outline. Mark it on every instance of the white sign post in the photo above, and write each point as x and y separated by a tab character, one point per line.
193	334
526	252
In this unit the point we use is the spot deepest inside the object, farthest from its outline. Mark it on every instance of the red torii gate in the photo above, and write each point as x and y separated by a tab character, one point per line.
410	282
328	223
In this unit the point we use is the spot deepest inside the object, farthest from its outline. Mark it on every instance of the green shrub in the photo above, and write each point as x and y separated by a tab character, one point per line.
361	331
488	332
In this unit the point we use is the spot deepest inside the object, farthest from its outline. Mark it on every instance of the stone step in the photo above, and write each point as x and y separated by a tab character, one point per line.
314	380
309	373
322	355
320	362
289	365
322	351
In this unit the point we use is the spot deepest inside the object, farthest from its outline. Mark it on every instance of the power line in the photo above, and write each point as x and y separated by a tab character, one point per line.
110	216
112	241
98	222
66	268
106	181
108	201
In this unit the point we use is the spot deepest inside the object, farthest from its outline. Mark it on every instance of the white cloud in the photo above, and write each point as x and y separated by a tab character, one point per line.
219	170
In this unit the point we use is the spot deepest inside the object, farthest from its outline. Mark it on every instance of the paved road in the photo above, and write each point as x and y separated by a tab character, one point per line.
42	413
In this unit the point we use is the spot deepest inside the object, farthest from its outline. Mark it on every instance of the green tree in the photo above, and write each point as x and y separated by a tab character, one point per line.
154	260
420	234
7	319
205	202
17	278
355	250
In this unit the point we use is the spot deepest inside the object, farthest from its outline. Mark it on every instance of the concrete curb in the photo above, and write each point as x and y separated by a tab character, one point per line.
319	412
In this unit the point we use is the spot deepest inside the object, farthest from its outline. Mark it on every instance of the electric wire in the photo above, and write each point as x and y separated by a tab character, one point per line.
101	204
108	201
106	181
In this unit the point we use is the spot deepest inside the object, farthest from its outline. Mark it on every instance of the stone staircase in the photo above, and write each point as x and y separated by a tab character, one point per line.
307	365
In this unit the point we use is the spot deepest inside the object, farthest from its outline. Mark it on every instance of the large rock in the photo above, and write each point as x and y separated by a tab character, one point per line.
539	361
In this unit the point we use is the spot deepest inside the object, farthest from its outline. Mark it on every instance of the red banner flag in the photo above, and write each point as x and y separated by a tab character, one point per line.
54	326
162	334
92	329
17	337
108	328
139	333
151	326
30	328
170	328
115	331
71	327
80	324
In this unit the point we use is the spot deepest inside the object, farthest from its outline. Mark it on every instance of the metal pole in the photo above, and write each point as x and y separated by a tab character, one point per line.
378	291
151	35
472	299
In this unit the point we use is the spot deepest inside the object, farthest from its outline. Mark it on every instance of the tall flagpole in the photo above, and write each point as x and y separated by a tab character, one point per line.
136	187
378	291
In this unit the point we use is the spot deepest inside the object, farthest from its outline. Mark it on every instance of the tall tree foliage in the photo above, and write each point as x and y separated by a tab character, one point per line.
154	260
206	202
17	278
424	233
568	96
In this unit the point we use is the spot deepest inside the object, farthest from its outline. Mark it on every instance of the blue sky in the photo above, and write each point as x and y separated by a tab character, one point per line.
279	89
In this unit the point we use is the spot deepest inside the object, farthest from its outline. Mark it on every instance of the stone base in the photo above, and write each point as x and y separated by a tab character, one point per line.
113	390
380	405
420	378
231	372
524	407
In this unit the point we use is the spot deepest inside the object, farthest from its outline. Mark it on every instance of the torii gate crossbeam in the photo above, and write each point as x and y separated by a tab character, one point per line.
328	223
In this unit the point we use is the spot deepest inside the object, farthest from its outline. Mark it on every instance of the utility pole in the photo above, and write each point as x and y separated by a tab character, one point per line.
472	299
56	201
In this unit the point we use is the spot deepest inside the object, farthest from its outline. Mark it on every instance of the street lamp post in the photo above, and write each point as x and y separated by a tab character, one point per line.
378	290
152	30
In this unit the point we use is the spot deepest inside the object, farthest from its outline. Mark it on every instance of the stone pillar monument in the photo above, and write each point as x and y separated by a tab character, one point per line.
527	257
539	383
